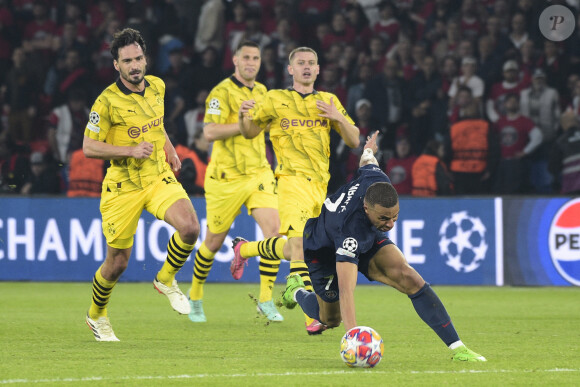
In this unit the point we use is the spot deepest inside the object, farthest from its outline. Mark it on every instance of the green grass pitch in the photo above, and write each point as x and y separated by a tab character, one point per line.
530	336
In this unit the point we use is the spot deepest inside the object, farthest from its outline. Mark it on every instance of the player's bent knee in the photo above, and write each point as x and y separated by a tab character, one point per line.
189	231
118	265
411	281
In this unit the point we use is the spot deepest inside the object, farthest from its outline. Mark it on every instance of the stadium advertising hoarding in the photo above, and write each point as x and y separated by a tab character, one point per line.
542	241
452	241
60	239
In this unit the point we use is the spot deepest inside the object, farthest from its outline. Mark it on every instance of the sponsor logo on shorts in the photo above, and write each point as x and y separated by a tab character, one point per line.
111	229
330	294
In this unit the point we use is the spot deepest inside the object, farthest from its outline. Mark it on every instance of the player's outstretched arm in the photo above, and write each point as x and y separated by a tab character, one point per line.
347	276
247	127
101	150
368	156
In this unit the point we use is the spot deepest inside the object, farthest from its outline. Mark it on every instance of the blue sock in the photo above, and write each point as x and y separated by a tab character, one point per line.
309	303
431	310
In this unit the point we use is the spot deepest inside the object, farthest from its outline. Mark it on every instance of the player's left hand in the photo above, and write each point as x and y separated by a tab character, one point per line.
329	110
174	161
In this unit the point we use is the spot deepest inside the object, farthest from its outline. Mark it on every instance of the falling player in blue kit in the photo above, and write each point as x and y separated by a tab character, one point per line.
349	235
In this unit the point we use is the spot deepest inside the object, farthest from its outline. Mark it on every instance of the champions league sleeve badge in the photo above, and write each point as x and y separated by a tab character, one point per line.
94	120
214	107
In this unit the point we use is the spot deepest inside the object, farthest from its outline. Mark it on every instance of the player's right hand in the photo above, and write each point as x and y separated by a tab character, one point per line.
143	150
245	107
372	142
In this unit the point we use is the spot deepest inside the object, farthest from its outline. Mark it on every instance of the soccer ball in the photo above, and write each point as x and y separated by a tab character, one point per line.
361	347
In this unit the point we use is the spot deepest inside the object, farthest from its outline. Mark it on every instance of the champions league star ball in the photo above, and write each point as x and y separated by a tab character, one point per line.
361	347
462	241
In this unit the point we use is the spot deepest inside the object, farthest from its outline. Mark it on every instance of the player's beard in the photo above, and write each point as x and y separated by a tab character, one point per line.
131	79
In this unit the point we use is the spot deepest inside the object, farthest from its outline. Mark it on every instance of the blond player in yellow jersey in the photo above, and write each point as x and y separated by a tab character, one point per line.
299	120
126	126
238	174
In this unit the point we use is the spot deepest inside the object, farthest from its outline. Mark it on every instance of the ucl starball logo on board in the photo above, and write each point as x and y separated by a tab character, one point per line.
564	241
462	241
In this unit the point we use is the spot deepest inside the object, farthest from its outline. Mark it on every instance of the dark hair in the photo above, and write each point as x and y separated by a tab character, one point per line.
247	43
432	147
383	194
125	38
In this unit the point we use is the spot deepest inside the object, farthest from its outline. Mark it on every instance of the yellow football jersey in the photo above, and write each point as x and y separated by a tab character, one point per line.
234	156
124	118
301	138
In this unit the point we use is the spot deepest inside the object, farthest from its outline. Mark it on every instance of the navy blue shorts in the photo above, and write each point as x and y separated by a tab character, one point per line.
322	268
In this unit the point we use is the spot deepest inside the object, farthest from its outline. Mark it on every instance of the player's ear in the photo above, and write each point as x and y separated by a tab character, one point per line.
290	70
116	65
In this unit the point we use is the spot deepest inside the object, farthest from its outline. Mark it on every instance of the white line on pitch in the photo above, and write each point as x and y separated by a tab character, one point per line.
201	376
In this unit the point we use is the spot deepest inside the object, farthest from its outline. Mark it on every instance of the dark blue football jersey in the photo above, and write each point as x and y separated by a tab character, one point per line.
342	224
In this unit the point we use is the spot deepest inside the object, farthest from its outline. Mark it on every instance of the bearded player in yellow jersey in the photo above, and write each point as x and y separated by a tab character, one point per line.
238	174
299	120
126	126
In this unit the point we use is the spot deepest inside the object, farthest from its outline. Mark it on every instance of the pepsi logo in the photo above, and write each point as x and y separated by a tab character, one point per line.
564	241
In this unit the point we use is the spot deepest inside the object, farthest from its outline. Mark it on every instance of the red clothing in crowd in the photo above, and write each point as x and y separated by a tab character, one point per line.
513	135
499	92
399	171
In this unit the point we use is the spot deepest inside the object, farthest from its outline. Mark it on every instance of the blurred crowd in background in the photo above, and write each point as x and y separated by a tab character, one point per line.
423	73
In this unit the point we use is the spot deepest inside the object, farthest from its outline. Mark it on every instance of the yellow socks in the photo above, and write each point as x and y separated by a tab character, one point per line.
271	251
177	253
299	267
102	289
203	263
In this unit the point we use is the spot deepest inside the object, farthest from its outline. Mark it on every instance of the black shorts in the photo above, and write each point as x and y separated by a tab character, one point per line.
322	268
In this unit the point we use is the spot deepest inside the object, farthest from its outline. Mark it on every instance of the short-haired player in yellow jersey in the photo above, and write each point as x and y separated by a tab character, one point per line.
299	120
126	126
238	174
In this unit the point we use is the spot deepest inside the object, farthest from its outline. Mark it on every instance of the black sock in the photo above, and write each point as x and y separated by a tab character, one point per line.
431	310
